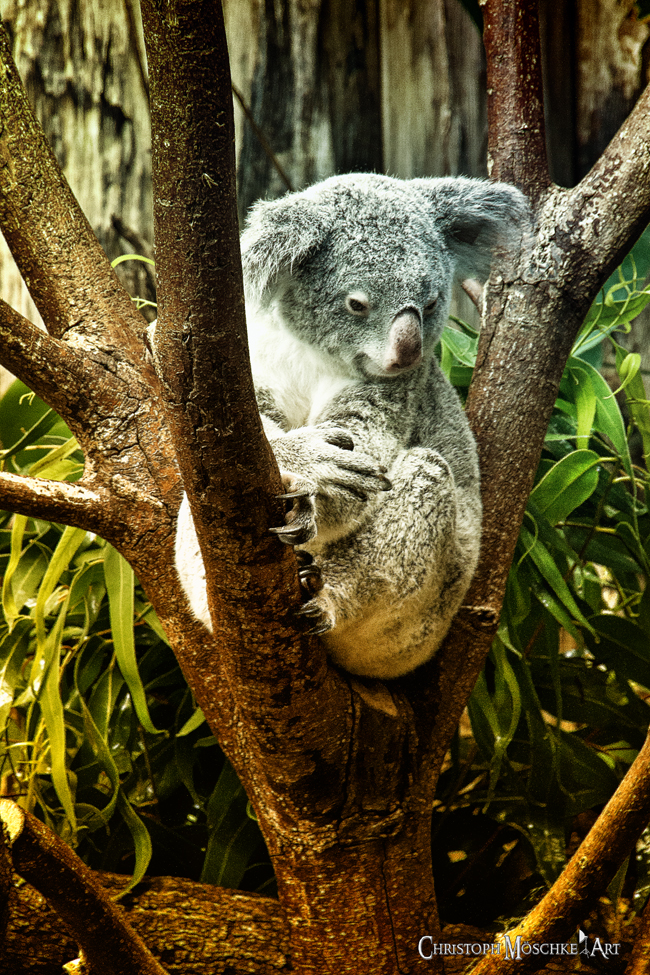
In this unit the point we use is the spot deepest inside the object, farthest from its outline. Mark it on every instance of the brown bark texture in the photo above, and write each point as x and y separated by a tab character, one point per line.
188	927
342	772
106	939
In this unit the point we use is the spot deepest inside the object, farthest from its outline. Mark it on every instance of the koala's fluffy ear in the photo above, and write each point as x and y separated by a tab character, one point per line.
475	215
279	235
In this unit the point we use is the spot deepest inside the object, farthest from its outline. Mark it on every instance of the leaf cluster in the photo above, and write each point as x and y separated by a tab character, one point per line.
99	734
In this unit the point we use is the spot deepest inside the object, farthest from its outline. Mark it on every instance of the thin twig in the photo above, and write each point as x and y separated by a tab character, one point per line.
266	146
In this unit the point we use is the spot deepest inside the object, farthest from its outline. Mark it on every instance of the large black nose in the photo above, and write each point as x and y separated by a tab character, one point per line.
404	347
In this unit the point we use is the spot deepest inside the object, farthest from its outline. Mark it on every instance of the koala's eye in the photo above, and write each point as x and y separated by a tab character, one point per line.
430	307
357	304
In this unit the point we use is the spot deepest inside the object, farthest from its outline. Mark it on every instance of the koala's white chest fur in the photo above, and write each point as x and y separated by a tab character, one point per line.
300	378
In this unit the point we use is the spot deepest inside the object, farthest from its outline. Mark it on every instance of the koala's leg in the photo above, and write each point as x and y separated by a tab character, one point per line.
391	590
191	570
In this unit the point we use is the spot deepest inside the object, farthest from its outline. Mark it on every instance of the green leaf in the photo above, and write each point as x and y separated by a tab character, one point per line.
119	579
14	647
558	588
9	601
141	841
608	416
567	485
234	836
623	646
132	257
636	397
68	544
193	722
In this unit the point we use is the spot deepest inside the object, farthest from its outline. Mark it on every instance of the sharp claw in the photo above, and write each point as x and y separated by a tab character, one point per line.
311	580
317	630
292	494
304	558
290	536
307	609
308	570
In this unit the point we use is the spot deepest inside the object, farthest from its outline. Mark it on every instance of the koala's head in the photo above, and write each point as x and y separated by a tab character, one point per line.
362	265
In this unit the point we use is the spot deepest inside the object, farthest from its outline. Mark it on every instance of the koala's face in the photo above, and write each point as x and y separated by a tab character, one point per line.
376	292
361	265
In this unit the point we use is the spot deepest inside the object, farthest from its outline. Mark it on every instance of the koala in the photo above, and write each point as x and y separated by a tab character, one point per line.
348	285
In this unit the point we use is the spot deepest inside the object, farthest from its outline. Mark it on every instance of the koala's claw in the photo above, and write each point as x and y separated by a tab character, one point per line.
317	630
309	609
322	621
310	579
292	494
293	534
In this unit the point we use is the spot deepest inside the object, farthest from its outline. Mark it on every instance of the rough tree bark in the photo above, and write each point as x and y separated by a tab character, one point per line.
342	772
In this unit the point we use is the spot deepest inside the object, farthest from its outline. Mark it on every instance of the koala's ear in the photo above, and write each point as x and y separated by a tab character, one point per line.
279	235
474	215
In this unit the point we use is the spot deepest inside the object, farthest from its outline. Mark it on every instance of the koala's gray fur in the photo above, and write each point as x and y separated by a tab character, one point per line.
348	286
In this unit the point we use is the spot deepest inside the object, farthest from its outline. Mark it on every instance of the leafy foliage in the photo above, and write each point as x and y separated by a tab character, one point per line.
100	736
561	709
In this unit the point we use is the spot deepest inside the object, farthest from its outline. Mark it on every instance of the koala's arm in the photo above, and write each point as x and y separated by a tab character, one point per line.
337	463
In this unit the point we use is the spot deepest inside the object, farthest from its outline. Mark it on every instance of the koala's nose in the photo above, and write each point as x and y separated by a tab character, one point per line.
404	346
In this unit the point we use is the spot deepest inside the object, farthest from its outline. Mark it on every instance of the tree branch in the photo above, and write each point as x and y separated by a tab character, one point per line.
109	943
194	927
592	867
533	309
228	468
610	207
50	367
67	273
516	140
72	504
6	881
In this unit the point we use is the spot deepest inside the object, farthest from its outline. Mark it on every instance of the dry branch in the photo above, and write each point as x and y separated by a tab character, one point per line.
109	943
585	878
72	504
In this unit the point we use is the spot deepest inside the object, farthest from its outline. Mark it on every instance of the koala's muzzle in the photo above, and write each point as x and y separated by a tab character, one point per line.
404	347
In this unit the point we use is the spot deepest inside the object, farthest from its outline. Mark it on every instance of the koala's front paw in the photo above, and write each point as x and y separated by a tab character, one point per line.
325	479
